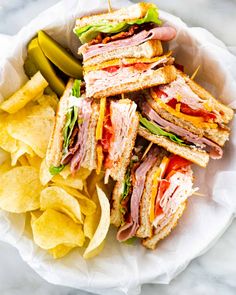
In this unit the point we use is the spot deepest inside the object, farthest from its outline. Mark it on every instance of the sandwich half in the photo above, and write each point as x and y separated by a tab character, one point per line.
185	119
152	196
92	134
122	50
128	32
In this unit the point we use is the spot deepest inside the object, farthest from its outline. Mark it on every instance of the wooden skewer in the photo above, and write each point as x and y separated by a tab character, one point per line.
199	194
109	6
122	96
195	73
147	149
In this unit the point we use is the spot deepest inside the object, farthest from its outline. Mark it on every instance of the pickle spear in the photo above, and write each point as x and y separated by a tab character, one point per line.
58	55
36	55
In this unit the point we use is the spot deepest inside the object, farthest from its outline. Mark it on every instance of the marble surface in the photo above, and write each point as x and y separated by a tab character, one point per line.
212	273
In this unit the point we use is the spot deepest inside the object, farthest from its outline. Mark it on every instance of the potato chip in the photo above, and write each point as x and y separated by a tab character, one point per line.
7	143
33	126
53	228
5	166
4	156
58	199
22	149
91	221
23	161
29	91
44	175
70	181
35	215
95	246
82	173
61	250
87	206
20	190
34	161
92	180
48	100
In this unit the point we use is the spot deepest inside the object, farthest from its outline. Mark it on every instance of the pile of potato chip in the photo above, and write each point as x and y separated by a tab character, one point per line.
65	211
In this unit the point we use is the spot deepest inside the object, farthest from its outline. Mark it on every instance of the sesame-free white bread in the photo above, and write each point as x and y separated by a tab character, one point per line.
162	75
132	12
151	243
148	49
196	156
54	150
90	160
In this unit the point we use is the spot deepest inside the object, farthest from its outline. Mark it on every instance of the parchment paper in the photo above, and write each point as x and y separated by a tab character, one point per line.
120	268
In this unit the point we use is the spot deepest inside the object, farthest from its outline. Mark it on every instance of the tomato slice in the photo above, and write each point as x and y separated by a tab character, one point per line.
176	163
111	69
163	186
107	137
185	109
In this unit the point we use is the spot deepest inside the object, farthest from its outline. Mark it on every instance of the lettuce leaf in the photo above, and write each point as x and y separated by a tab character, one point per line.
127	185
89	32
155	129
71	117
55	170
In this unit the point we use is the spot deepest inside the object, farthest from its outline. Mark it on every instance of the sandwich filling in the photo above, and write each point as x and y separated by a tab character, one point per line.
122	73
172	185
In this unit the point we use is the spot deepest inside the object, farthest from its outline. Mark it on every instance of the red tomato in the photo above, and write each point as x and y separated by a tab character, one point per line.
111	69
159	92
176	163
140	66
163	186
107	137
185	109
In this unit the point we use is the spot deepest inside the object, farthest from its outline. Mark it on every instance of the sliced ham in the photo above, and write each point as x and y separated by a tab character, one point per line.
158	33
130	228
214	150
77	154
100	79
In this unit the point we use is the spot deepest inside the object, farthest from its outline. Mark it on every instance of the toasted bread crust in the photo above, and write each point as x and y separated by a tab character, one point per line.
54	151
198	157
145	228
162	75
148	49
129	13
151	243
116	215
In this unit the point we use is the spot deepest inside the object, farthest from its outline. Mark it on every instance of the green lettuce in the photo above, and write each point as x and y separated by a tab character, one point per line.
155	129
89	32
127	185
71	117
55	170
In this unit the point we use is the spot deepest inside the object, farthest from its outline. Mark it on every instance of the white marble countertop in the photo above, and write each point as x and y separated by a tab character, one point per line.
212	273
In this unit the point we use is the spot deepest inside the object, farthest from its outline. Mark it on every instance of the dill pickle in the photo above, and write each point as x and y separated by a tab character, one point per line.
29	67
58	55
36	55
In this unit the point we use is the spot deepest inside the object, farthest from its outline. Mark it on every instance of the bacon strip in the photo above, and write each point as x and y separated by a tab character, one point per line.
158	33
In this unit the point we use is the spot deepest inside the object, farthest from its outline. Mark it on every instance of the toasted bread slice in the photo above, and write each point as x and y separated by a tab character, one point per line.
147	49
196	156
116	215
162	75
129	13
145	228
218	135
54	151
151	243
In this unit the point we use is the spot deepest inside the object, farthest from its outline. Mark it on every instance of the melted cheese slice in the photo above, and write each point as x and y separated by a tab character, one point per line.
158	175
197	121
126	61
